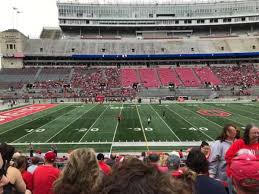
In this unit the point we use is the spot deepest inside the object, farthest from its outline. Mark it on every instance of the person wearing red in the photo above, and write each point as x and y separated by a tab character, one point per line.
45	175
106	169
249	141
21	164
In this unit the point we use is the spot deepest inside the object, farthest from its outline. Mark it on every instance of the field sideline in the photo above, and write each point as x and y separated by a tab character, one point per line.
95	125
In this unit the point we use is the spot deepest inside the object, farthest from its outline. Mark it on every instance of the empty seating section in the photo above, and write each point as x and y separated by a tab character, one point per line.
188	77
206	75
53	74
149	77
237	75
168	75
128	77
17	75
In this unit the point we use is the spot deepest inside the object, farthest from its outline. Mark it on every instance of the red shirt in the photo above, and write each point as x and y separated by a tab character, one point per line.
104	167
235	147
27	177
43	178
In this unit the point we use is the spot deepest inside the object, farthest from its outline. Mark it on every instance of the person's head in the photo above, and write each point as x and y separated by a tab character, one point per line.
245	174
113	156
229	132
173	162
35	160
205	148
7	152
133	176
197	161
251	134
100	157
80	175
21	163
153	158
50	157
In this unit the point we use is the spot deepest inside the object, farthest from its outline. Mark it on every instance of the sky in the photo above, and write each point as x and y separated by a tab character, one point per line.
34	15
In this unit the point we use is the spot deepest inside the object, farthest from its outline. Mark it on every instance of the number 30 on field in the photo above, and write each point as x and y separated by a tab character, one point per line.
139	129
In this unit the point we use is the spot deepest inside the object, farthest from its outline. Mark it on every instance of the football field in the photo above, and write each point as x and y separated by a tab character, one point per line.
97	126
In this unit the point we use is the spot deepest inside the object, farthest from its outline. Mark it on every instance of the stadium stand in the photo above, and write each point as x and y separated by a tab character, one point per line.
188	77
205	74
149	78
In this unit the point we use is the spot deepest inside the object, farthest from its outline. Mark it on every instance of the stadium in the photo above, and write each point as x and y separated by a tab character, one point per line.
189	67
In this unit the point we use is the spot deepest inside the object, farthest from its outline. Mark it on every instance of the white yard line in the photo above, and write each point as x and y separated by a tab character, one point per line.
93	124
43	125
190	123
142	128
165	123
69	124
116	130
32	119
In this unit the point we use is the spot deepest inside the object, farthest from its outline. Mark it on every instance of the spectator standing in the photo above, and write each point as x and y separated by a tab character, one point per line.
45	175
217	162
249	141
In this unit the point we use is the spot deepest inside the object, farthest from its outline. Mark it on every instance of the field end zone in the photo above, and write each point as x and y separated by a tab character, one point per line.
14	114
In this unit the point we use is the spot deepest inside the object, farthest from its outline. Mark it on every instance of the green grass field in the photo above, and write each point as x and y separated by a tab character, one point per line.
76	125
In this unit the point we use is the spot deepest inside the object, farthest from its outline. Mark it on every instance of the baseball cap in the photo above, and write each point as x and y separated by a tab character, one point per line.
50	156
245	170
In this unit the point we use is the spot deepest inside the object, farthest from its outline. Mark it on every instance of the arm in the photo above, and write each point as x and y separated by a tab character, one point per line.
15	177
214	159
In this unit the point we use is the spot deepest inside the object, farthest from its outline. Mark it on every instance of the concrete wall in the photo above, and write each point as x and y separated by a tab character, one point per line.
12	43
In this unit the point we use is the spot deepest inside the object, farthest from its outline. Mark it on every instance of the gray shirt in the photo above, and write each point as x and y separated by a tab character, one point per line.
217	162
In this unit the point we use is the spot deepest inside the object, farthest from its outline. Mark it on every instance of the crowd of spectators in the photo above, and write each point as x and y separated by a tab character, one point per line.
230	165
104	82
237	75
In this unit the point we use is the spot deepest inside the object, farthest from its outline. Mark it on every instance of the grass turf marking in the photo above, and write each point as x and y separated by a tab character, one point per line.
42	126
70	124
93	124
142	128
191	124
165	123
54	110
116	129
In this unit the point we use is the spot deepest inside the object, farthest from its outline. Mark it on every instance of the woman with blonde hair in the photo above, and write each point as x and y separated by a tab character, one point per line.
80	175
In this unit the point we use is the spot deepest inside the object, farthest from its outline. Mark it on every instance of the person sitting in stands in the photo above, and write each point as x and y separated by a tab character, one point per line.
133	176
197	162
106	169
80	175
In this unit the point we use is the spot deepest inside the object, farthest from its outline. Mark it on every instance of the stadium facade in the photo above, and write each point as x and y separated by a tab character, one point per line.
140	33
